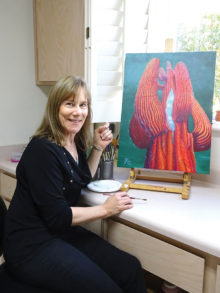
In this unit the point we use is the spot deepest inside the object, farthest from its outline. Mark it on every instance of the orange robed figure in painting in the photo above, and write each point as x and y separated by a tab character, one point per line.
162	126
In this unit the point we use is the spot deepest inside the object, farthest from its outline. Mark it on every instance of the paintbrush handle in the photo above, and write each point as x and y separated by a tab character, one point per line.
139	198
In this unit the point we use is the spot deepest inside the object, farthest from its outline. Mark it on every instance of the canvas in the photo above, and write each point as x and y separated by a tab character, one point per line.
167	111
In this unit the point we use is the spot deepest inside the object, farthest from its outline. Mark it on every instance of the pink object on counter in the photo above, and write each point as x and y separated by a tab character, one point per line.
14	161
15	157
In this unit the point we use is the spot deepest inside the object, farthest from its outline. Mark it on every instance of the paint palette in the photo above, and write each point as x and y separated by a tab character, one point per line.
104	185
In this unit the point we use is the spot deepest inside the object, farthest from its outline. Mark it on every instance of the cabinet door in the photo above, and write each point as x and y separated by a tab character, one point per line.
167	261
7	187
95	227
217	288
59	39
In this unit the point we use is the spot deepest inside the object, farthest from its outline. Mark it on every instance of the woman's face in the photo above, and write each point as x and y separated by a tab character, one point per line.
73	113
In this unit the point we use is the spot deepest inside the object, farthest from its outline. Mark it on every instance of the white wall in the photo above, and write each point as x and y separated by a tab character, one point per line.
22	103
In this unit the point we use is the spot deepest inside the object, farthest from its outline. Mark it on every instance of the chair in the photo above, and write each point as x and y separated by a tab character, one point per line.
8	284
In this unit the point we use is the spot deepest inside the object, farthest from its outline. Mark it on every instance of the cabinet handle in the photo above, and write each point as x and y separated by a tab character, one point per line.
87	32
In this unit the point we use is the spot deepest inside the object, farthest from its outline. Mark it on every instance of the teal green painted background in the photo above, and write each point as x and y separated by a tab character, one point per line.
201	67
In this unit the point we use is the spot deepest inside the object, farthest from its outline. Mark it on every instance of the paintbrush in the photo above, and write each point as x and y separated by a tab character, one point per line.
109	194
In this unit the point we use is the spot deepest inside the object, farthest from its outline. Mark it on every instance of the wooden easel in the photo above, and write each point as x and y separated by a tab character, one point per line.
141	175
138	174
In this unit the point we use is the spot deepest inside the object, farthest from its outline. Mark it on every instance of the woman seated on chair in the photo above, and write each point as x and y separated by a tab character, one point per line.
43	242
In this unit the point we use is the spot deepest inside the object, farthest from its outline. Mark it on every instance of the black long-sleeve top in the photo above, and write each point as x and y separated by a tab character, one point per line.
49	182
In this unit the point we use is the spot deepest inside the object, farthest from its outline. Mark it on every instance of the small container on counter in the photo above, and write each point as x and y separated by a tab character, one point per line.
106	169
16	156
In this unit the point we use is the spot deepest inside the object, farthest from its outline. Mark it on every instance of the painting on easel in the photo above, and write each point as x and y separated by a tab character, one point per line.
167	111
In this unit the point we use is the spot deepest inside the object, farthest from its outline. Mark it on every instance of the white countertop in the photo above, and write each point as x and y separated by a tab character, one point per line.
8	166
194	222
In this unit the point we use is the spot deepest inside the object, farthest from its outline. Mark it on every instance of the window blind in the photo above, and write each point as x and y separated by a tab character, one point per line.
107	38
116	26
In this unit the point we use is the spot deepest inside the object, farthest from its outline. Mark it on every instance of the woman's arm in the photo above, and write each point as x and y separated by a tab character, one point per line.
41	170
93	159
102	137
114	204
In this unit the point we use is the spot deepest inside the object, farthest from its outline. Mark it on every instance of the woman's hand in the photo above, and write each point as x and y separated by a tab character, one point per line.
102	136
117	203
114	205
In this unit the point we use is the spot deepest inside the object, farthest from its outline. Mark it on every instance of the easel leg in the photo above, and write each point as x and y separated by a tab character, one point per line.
186	185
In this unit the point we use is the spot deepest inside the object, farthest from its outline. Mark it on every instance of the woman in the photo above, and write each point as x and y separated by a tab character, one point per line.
44	246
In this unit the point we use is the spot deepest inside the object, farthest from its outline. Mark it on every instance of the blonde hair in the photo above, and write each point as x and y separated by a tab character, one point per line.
50	126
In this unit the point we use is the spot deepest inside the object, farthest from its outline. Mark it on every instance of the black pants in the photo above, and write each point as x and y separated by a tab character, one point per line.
83	263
